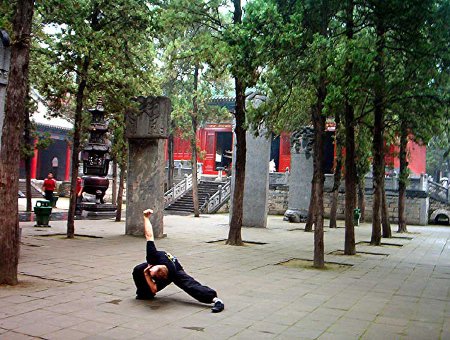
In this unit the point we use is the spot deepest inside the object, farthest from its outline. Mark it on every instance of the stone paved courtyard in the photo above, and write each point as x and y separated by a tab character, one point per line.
82	288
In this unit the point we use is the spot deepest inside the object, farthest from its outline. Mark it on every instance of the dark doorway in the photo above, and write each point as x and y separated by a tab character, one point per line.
56	149
224	145
275	151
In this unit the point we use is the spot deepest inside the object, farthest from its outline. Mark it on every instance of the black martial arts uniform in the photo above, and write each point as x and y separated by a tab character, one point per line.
177	275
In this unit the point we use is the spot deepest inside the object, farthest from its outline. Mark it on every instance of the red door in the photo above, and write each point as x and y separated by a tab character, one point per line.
285	152
210	148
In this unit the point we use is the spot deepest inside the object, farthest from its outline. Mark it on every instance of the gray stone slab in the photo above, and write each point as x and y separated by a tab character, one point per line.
151	121
256	189
145	185
300	179
145	131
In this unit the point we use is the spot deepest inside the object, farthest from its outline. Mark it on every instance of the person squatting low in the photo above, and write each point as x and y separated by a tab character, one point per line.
162	268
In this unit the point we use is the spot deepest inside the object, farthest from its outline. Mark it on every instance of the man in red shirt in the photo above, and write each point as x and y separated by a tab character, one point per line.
79	190
49	186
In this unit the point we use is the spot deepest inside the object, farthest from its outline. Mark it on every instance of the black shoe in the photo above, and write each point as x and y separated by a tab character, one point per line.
144	297
218	307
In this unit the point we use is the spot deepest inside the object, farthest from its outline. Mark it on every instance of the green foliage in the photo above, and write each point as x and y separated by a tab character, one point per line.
6	14
43	141
438	152
116	38
72	30
192	38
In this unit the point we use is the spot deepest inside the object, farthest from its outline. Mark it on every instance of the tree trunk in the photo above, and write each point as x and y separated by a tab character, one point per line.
114	182
378	132
10	150
350	166
337	173
82	81
194	116
387	233
362	198
122	168
333	208
234	234
310	219
319	133
27	159
402	178
377	182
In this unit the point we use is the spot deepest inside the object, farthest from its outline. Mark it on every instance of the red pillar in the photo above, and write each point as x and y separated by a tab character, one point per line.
34	161
68	161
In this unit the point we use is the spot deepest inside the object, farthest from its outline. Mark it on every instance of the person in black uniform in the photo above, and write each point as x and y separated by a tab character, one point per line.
162	268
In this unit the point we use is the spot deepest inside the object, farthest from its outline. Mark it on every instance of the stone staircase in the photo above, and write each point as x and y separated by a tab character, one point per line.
185	205
439	209
35	193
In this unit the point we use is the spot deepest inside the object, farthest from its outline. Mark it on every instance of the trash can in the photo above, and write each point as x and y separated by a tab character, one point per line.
356	216
42	210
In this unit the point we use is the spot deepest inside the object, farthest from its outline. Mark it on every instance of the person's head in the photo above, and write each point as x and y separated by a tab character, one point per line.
50	175
159	272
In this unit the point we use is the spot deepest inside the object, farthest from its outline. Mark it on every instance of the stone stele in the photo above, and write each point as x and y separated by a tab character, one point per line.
256	188
146	130
301	175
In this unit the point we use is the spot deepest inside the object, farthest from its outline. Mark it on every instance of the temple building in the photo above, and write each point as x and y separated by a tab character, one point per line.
57	156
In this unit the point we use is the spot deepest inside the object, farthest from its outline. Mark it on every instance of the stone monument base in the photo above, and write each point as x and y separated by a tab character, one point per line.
96	211
295	216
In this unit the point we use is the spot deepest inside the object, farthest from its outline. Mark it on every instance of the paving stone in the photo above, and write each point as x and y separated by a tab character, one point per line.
267	327
248	334
123	333
349	326
13	336
92	327
391	321
37	329
302	331
423	330
405	295
66	334
337	336
383	331
286	317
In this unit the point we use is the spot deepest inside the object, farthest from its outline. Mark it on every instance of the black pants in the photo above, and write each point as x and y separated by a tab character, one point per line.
181	279
49	195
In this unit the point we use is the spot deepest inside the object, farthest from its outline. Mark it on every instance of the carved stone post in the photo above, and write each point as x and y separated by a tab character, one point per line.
300	178
146	131
256	188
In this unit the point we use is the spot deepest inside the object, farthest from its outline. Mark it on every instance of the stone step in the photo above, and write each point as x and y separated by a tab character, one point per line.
185	203
34	192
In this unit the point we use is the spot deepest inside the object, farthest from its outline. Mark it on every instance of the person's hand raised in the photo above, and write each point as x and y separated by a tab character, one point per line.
147	213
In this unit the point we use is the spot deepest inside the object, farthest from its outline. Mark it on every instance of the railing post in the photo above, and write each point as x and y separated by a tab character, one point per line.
185	182
422	182
220	193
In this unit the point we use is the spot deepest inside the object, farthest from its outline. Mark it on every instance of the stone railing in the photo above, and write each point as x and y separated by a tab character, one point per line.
277	179
438	192
178	190
416	184
215	201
